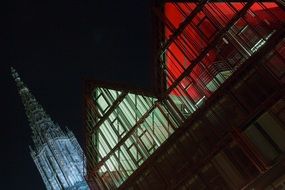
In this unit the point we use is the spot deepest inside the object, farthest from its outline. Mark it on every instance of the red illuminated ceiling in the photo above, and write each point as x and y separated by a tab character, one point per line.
202	29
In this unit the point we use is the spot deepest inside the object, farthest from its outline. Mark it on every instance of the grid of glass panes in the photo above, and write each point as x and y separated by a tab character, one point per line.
207	68
138	125
129	135
205	133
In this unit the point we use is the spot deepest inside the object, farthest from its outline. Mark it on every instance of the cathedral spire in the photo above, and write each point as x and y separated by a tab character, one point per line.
39	121
57	155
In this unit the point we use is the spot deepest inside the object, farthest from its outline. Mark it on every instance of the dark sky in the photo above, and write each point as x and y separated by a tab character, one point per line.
54	45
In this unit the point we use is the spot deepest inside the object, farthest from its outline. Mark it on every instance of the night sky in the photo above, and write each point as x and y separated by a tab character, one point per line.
54	45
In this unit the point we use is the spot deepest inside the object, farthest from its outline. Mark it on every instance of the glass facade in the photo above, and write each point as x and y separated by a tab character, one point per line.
130	132
216	41
199	132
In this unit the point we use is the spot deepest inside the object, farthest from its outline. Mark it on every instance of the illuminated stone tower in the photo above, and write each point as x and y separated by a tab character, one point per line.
56	153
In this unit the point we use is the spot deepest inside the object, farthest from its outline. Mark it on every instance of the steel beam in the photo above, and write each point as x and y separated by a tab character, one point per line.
173	138
211	45
110	110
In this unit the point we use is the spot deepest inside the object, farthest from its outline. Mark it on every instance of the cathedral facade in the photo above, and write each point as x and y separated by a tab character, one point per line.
56	153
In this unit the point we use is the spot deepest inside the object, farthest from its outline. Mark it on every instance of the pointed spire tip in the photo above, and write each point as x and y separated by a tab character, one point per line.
14	73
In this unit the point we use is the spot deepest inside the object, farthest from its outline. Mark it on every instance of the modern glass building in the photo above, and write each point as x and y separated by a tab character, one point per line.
216	117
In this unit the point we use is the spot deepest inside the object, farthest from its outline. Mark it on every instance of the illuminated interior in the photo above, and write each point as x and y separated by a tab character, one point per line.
209	66
138	140
126	128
